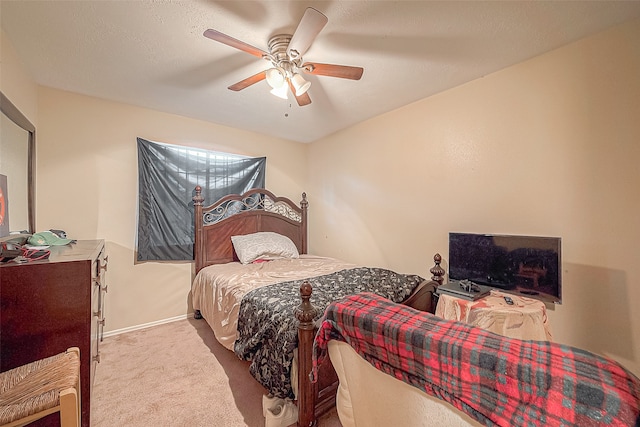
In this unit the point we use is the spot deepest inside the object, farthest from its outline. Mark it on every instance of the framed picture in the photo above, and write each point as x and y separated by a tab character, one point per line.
4	209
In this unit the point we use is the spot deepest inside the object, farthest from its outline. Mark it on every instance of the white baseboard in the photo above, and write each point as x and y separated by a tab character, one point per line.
146	325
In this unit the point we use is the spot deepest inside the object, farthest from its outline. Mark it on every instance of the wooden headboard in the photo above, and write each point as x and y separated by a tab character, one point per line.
237	214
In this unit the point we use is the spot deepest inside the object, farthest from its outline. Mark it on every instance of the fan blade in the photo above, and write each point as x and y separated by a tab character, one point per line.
310	25
331	70
230	41
243	84
303	99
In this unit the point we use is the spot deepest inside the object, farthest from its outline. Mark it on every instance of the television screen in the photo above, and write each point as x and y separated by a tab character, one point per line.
527	265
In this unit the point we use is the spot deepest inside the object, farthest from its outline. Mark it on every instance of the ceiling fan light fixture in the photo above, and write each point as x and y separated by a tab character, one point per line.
281	92
300	84
275	77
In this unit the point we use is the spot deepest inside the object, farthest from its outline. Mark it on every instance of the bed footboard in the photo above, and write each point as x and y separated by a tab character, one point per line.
313	401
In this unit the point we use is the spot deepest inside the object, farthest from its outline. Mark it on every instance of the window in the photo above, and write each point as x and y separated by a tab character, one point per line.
167	177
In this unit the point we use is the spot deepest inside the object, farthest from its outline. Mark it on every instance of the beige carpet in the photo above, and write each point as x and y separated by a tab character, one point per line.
176	374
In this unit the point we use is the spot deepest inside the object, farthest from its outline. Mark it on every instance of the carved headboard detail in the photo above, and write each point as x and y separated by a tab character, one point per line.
237	214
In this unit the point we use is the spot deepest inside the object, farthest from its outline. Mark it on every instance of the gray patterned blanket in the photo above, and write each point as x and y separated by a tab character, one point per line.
268	329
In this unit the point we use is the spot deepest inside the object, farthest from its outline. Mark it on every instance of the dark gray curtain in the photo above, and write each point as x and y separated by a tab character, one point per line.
167	176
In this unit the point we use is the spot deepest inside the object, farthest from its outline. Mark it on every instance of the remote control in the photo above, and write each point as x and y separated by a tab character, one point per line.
508	300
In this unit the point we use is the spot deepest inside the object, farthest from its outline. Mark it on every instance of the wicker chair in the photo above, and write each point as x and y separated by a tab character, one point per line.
40	388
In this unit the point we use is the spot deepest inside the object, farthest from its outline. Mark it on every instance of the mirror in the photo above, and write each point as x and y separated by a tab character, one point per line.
17	161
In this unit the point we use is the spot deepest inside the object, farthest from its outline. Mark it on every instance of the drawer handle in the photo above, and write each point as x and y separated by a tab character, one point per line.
96	281
106	262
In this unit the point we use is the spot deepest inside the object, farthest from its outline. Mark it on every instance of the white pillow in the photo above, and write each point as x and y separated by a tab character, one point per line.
263	245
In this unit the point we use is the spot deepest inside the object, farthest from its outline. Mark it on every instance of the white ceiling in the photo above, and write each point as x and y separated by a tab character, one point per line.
152	53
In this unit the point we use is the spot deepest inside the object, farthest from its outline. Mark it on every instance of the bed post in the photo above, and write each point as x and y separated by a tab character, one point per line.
307	391
436	270
304	204
197	218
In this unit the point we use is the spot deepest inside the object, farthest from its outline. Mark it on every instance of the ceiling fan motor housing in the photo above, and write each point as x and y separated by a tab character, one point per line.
278	45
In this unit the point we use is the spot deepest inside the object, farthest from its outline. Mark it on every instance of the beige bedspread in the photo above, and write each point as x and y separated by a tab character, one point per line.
217	290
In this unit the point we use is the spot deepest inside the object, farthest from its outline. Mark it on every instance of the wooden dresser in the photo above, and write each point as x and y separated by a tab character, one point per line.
51	305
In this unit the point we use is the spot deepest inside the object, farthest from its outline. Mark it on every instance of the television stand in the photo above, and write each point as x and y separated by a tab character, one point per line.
525	319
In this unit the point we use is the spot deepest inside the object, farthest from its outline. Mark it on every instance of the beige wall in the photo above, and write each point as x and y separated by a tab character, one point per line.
87	185
16	83
547	147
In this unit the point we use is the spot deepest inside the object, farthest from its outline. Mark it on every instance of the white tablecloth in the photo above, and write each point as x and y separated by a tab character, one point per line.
526	319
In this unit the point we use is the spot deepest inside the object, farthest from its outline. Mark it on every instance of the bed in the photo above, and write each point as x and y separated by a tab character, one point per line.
233	279
399	366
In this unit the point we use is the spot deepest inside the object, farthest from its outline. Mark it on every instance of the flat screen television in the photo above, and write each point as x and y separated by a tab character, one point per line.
527	265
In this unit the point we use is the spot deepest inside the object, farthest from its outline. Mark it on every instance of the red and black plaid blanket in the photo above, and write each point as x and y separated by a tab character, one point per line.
496	380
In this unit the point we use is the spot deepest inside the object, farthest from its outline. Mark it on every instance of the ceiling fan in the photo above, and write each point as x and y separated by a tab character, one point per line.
285	55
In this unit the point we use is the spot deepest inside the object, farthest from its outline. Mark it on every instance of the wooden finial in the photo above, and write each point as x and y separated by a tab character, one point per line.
436	270
305	312
198	199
